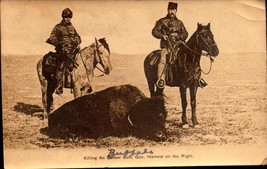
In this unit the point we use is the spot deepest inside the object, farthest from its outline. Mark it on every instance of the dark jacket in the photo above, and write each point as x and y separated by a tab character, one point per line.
64	36
172	27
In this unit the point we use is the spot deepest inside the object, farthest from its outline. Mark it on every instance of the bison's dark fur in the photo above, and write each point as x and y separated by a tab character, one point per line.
121	110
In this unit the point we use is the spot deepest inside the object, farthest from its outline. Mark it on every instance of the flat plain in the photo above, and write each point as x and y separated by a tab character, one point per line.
231	109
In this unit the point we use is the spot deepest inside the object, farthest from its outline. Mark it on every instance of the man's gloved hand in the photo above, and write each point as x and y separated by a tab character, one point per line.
165	37
75	42
77	50
211	59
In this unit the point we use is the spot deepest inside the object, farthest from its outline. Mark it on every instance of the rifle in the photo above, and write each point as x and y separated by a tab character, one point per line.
76	65
170	44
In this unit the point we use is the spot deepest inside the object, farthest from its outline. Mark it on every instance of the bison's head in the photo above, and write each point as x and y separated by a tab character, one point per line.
148	118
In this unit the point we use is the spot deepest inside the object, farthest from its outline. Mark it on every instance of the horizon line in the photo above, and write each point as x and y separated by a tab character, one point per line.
11	54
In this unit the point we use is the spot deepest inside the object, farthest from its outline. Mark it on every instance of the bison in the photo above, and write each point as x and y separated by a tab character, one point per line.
120	110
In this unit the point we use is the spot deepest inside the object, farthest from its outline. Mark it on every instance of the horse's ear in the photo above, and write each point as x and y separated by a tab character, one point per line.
96	43
208	26
199	26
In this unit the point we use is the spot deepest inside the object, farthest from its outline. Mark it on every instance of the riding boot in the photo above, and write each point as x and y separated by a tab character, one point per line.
59	82
161	69
202	83
59	79
161	76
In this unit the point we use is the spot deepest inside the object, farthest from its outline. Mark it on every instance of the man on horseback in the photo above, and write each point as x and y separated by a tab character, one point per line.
172	32
66	41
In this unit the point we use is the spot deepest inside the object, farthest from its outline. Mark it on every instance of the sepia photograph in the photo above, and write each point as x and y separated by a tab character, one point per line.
133	83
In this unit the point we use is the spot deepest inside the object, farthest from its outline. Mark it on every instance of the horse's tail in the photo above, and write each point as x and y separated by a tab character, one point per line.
150	64
39	68
150	67
153	58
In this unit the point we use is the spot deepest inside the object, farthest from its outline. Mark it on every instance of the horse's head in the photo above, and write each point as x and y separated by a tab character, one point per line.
102	54
205	40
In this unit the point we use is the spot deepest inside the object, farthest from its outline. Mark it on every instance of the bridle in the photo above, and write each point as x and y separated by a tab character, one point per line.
201	53
205	42
209	50
96	54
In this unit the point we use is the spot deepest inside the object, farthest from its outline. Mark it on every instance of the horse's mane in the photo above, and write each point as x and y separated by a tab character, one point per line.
104	43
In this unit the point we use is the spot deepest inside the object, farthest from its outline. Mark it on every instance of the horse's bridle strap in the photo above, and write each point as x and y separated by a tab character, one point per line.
96	54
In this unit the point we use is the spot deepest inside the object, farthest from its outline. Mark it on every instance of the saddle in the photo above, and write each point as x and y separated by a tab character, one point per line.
50	66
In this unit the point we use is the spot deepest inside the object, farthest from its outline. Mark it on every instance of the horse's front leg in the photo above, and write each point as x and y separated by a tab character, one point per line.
151	88
184	105
76	90
193	93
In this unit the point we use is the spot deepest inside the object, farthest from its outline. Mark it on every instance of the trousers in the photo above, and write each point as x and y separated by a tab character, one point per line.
61	60
162	64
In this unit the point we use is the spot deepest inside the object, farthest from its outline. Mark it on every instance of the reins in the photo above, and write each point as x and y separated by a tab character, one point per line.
86	70
96	51
84	64
100	71
211	61
202	54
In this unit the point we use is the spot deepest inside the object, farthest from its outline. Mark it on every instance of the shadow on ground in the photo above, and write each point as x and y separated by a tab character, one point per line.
29	109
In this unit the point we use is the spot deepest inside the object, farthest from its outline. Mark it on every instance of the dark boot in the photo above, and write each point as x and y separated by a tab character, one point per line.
59	82
202	83
161	76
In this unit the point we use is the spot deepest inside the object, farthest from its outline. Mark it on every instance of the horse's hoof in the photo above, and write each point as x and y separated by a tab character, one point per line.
185	126
197	126
45	116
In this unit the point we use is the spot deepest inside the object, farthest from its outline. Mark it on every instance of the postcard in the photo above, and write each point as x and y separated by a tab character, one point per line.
133	83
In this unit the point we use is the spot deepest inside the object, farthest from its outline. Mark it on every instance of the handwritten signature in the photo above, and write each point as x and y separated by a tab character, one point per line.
127	153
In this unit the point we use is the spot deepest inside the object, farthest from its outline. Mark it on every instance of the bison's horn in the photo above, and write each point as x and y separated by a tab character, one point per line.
130	120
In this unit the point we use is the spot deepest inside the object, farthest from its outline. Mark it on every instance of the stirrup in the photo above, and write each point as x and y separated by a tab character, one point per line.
59	90
202	83
160	83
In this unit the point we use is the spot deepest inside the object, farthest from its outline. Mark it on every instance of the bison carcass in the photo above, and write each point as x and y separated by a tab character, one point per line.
121	110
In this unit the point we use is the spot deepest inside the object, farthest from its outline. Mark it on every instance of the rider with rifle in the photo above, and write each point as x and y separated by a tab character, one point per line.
171	31
66	41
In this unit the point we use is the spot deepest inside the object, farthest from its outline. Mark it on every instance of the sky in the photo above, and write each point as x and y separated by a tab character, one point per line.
238	26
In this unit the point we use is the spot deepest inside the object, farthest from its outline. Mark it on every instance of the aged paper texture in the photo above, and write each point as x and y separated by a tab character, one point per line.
231	110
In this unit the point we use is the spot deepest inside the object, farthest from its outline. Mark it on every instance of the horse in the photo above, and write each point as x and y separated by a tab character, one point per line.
187	76
87	60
